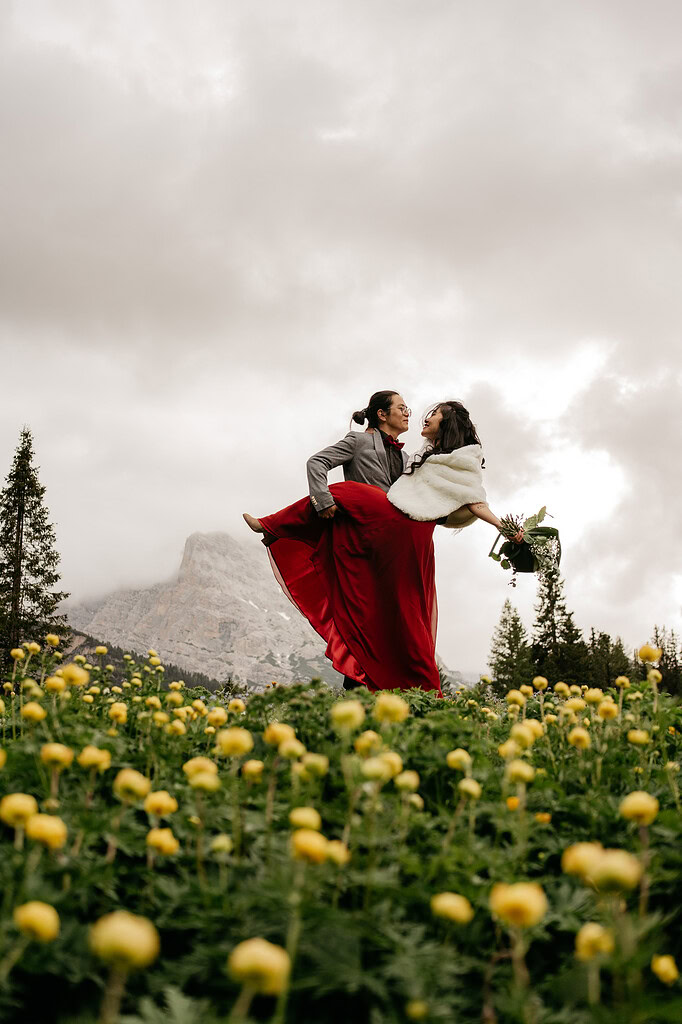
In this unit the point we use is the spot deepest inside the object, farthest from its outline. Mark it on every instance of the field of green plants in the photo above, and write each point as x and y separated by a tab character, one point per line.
298	857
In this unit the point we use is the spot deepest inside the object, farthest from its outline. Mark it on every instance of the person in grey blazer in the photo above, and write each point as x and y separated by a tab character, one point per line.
371	457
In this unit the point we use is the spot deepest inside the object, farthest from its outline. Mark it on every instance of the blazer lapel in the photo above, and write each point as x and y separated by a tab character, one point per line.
381	452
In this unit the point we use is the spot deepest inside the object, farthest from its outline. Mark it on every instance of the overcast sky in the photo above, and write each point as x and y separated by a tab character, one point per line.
225	224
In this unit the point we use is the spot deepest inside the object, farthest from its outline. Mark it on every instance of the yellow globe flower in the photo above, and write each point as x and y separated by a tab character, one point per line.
368	742
253	770
261	965
649	654
347	715
33	712
118	712
309	845
217	717
208	782
56	755
221	843
47	829
124	939
199	706
526	690
388	707
52	639
291	749
459	760
392	761
665	969
515	697
177	684
153	701
162	840
418	1009
407	781
174	698
17	654
639	737
562	689
622	682
616	870
176	728
155	660
575	704
160	803
55	684
594	695
452	907
470	788
579	737
416	801
543	817
540	683
236	706
581	859
520	771
607	710
521	905
234	742
101	650
640	807
130	785
199	764
535	727
513	803
522	734
75	675
17	808
160	718
316	764
277	732
36	920
509	749
376	770
593	940
305	817
654	676
338	853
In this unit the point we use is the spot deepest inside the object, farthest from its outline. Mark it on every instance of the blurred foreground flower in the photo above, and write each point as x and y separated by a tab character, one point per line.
521	905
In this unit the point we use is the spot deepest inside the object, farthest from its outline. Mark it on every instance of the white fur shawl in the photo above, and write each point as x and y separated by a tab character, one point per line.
443	486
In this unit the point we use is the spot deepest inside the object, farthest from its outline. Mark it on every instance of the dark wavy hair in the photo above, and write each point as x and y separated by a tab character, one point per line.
456	431
379	400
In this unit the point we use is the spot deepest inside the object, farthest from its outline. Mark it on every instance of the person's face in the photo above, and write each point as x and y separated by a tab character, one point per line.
432	422
397	419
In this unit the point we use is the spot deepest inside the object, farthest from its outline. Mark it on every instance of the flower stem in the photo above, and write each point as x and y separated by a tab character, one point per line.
113	994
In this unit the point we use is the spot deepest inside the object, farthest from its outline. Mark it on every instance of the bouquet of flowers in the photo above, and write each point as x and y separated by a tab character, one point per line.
539	551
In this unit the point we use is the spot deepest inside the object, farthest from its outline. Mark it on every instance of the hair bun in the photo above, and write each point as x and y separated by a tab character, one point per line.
360	416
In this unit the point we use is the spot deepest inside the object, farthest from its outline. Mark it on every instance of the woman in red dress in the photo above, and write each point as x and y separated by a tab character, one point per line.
365	580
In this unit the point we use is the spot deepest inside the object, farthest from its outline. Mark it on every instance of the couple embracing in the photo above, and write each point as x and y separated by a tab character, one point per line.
357	558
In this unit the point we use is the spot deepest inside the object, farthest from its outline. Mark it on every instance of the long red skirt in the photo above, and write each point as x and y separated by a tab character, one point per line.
365	580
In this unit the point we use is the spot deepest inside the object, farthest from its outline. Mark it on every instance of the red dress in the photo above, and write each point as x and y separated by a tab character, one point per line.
365	580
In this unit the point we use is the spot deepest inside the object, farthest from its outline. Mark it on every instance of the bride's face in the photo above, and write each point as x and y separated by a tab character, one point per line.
432	422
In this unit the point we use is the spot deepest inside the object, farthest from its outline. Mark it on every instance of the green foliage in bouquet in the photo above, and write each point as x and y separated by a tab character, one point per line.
539	551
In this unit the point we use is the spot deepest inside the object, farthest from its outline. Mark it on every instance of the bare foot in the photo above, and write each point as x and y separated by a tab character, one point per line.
252	523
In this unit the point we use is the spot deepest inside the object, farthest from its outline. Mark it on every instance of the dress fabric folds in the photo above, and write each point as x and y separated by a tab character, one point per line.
365	580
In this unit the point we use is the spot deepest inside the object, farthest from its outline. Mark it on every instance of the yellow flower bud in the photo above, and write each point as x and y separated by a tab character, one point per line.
368	742
665	969
593	940
17	808
521	905
347	715
616	870
520	771
470	788
101	650
515	697
221	843
376	769
562	689
513	803
160	803
199	764
579	738
522	734
581	858
639	807
309	845
622	682
75	675
575	704
393	762
594	695
47	829
125	939
56	755
160	717
316	764
543	817
607	710
638	737
261	965
217	716
452	907
93	757
388	707
162	841
649	654
540	683
155	661
418	1009
174	699
407	781
508	749
52	639
654	676
459	760
277	732
236	706
36	920
118	712
33	712
130	785
291	749
234	742
55	684
208	782
337	852
305	817
176	728
253	770
416	801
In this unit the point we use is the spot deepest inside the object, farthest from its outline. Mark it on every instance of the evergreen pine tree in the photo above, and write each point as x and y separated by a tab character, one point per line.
558	649
28	557
607	659
669	664
509	659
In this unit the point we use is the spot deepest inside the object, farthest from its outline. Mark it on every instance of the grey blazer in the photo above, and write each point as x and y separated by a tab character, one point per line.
363	457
